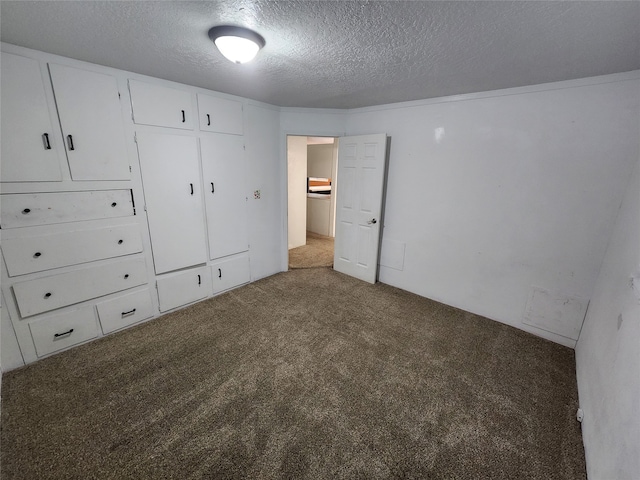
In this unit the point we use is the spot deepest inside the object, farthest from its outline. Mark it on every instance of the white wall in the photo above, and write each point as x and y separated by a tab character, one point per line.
608	352
491	194
265	171
297	192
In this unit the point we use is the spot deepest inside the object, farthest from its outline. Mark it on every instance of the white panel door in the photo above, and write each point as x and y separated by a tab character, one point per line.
220	115
171	181
360	182
30	145
224	174
92	125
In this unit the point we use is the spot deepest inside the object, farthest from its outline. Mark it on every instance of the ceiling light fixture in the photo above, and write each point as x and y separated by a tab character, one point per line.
238	44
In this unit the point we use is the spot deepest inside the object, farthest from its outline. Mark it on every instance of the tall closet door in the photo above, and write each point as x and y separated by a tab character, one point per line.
171	182
224	174
30	145
92	125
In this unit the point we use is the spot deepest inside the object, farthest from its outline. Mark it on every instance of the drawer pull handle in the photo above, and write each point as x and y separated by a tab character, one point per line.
47	295
184	119
120	242
70	142
130	312
208	119
37	254
56	335
219	273
191	185
26	210
213	188
199	280
113	204
45	139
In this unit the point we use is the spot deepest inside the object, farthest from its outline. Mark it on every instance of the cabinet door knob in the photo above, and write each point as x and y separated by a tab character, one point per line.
120	242
37	254
219	273
26	210
213	188
199	280
113	204
126	275
70	142
56	335
45	139
184	118
208	119
191	185
47	295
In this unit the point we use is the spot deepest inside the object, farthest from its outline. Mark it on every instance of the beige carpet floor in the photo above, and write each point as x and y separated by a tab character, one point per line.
307	374
318	252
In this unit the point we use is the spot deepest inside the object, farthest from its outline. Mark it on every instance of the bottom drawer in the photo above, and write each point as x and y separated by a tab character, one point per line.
126	310
177	289
64	330
230	273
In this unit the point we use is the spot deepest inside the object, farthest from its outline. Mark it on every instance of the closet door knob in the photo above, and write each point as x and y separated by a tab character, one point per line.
47	295
70	142
26	210
213	188
184	118
208	119
45	139
120	242
191	185
126	275
113	204
37	254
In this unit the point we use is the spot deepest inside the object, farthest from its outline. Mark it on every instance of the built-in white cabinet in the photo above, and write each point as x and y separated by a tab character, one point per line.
224	176
171	179
31	147
161	106
89	110
220	115
230	273
177	289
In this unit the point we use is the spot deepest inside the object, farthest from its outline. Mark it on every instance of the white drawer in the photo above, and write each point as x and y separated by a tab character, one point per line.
177	289
35	252
48	293
29	209
230	273
125	310
64	330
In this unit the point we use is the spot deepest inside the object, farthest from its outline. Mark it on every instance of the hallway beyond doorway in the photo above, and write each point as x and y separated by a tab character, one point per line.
318	252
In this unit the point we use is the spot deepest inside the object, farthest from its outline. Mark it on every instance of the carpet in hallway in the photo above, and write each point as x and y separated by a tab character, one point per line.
318	252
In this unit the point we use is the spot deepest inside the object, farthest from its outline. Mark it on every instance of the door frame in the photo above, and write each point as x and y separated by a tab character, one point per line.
284	179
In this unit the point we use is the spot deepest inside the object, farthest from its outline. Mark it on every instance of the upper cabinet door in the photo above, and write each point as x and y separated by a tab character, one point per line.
31	150
220	115
92	125
224	174
171	181
160	106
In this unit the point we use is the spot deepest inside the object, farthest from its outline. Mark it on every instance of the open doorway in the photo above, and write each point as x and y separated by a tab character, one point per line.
312	171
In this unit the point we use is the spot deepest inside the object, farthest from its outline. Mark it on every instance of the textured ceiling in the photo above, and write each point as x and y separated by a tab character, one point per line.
341	54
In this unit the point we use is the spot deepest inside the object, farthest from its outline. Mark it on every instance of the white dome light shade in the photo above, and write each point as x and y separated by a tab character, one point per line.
237	49
238	44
